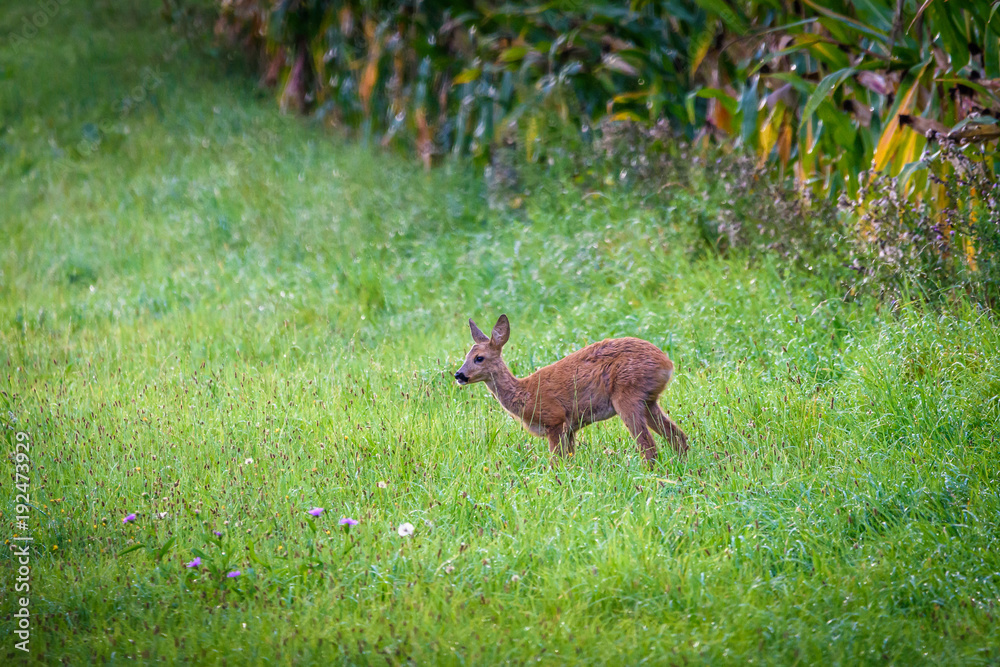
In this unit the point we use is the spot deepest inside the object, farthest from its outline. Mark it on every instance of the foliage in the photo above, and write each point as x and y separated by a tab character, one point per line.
899	245
819	87
454	77
195	332
836	95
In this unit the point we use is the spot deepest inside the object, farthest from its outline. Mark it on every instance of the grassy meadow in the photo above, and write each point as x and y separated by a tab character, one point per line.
216	318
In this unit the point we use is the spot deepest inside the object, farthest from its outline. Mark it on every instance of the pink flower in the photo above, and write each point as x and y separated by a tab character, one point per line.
195	563
347	521
129	518
316	511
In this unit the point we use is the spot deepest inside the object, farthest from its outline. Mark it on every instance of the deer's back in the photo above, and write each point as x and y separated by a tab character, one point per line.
583	384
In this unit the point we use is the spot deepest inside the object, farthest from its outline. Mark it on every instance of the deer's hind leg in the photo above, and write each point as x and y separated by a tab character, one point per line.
658	420
633	413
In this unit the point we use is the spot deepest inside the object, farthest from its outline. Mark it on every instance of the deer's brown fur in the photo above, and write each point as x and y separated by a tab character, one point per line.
619	376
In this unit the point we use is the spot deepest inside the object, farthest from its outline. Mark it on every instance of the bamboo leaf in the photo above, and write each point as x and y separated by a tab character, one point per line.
849	22
802	42
722	96
991	56
728	15
890	134
919	13
955	43
698	48
823	90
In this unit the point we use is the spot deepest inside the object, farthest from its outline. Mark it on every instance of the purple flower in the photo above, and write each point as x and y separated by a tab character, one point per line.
217	533
347	521
129	518
316	511
234	574
195	563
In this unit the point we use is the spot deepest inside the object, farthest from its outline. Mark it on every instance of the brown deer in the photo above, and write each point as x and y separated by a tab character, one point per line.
619	376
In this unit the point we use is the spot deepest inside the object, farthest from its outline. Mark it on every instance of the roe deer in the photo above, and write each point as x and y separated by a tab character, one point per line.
619	376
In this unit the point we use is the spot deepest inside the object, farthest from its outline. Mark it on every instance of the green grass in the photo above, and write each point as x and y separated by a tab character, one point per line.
230	316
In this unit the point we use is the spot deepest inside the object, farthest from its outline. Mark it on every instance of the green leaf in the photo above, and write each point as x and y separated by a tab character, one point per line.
798	83
802	42
725	98
955	44
513	54
162	551
729	16
908	169
823	90
849	22
991	56
128	550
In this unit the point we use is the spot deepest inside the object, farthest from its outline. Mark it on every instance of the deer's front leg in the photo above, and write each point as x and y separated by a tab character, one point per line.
560	441
568	442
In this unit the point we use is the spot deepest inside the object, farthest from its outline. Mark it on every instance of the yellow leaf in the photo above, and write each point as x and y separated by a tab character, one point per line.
785	143
468	75
769	133
531	137
624	115
721	117
970	254
890	135
700	45
369	76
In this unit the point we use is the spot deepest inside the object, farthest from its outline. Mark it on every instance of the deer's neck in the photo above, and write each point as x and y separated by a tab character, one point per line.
509	391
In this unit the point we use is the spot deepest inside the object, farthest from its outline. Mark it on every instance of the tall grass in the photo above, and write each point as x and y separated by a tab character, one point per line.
217	318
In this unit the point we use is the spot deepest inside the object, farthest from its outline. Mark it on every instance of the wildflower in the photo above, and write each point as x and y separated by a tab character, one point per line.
449	568
347	521
217	533
316	511
129	518
194	563
248	461
515	578
162	515
234	574
382	484
405	529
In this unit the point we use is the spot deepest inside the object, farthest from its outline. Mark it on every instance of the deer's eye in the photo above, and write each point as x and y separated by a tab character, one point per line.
479	360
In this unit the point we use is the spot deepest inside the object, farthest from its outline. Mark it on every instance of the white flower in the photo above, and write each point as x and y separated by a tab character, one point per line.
405	529
382	485
514	579
248	461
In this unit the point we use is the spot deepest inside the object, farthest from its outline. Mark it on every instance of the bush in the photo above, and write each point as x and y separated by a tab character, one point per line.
898	246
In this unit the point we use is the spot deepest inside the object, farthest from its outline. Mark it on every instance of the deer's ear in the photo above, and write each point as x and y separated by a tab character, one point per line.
477	335
501	332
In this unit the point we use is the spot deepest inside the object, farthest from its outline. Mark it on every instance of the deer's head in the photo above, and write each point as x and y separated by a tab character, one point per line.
483	360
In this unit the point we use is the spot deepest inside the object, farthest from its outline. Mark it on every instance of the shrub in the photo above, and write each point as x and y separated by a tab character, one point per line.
899	245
